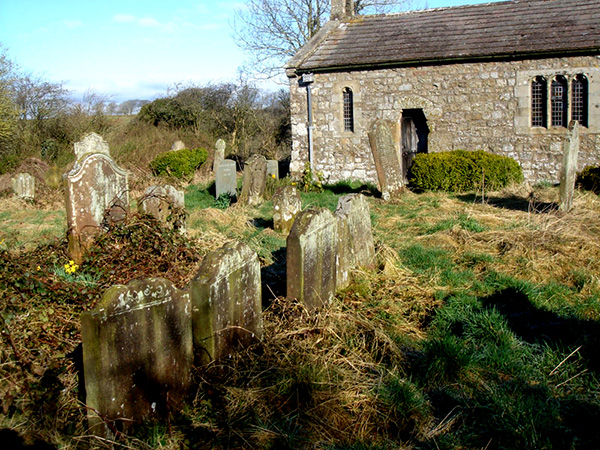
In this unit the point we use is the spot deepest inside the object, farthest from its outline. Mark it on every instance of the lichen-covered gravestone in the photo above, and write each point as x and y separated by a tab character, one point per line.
137	354
165	203
226	179
226	302
23	185
255	181
388	161
568	173
355	237
312	257
286	206
219	154
97	194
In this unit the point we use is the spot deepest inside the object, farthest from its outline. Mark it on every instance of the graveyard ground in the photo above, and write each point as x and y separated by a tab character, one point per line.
479	328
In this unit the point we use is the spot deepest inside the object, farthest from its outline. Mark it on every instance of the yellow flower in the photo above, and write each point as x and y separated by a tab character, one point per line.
293	183
39	268
273	176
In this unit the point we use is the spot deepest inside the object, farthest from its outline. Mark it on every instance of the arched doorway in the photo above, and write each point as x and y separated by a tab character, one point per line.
414	133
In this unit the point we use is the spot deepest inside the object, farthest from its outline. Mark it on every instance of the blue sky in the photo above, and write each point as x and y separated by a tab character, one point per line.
130	49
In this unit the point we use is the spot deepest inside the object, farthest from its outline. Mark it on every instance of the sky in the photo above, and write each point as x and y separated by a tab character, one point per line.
131	49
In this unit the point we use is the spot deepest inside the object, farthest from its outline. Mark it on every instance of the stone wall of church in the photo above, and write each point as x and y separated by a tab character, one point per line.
471	106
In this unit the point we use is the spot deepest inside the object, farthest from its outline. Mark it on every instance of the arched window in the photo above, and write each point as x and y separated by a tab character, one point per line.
348	110
558	101
579	100
538	102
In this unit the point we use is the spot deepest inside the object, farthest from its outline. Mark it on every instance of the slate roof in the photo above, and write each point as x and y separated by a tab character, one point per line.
504	30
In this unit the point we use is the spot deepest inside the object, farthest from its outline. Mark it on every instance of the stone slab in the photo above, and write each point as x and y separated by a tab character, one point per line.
23	185
388	161
226	179
255	181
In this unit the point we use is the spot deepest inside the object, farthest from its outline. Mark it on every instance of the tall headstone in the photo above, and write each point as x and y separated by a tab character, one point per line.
312	257
356	248
388	161
137	354
177	145
286	206
273	169
219	154
23	185
165	203
568	173
226	179
97	194
255	181
226	302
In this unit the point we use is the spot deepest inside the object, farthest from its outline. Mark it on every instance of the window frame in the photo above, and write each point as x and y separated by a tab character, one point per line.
348	109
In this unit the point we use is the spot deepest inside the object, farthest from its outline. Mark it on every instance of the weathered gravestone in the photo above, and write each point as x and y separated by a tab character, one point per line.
568	172
226	302
97	194
23	185
355	237
273	169
137	354
388	161
219	154
286	206
165	203
312	257
226	179
177	145
255	181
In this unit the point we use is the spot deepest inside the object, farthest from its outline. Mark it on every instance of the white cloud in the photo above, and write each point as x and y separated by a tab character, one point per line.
148	22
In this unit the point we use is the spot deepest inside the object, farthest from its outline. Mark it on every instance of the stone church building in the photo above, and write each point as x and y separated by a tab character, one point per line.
503	77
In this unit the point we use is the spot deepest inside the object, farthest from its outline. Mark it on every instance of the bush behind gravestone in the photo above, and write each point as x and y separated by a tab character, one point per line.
589	179
461	170
178	163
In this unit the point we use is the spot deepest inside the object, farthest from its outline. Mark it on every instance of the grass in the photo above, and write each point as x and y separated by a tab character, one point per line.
479	329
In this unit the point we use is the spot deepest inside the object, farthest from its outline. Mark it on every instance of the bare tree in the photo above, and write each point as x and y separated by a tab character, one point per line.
274	30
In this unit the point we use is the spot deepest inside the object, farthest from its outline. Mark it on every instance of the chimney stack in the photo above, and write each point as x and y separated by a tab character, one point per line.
342	9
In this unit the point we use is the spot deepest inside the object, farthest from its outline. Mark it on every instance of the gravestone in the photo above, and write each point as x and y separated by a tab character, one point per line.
226	302
388	161
355	237
219	154
273	169
255	181
177	145
23	185
97	195
137	354
568	173
286	206
91	143
226	179
165	203
312	257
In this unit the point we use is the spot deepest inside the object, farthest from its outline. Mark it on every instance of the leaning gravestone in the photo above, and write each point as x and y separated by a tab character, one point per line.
137	354
273	169
355	237
166	204
312	258
388	162
219	154
568	173
286	206
97	194
226	302
23	185
226	179
255	181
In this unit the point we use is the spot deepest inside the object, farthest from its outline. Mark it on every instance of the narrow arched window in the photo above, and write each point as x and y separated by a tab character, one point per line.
579	100
348	110
558	100
538	102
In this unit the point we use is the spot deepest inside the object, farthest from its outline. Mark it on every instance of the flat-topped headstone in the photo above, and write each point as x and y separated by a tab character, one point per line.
312	257
568	173
226	179
273	168
356	248
91	143
388	161
166	203
287	203
177	145
137	354
23	185
219	154
226	302
255	181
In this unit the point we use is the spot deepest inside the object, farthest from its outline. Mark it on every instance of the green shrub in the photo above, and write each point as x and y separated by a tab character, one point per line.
178	163
589	179
461	170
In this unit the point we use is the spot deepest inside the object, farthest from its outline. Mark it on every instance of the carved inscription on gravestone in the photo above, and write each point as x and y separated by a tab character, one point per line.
226	302
388	162
255	181
137	354
226	179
